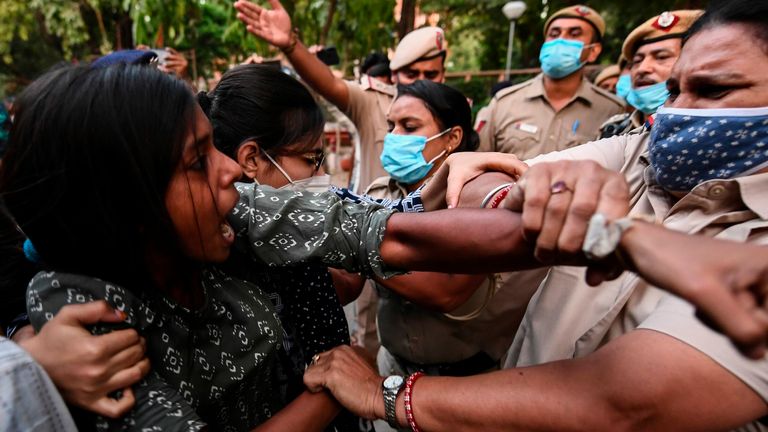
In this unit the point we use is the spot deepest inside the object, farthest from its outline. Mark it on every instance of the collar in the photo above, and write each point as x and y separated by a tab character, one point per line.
370	83
749	190
585	93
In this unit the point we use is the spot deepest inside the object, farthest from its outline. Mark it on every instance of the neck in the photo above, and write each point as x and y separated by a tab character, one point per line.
559	92
177	278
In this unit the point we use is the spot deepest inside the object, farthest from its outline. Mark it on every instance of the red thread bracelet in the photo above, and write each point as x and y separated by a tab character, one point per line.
496	201
408	398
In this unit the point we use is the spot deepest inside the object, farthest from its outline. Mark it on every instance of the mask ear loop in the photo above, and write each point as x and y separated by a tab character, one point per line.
442	153
290	180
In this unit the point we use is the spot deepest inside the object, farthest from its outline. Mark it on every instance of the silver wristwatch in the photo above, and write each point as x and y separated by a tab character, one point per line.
391	388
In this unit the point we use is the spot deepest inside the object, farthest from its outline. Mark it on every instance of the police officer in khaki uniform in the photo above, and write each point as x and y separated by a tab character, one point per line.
419	55
559	108
608	77
652	49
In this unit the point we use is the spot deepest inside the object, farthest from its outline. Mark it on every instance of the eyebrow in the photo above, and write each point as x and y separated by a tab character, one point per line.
553	27
198	142
708	78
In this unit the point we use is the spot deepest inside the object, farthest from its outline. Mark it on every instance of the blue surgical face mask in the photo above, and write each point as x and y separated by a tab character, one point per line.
623	86
649	98
403	156
691	146
561	57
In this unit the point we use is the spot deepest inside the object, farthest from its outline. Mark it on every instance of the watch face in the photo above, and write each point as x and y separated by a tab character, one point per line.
392	382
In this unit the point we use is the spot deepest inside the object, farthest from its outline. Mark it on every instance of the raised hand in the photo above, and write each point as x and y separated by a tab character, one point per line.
274	26
175	63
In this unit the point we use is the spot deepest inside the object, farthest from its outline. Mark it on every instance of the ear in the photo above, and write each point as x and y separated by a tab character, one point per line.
248	158
594	52
454	139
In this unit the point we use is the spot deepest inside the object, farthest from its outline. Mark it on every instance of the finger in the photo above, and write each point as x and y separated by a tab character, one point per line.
314	378
457	178
507	163
90	313
554	218
248	10
729	314
119	340
614	197
126	358
127	377
115	408
515	198
586	193
276	5
536	195
171	51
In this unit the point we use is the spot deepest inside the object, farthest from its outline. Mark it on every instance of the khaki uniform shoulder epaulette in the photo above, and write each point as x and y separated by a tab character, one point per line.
509	90
608	95
368	83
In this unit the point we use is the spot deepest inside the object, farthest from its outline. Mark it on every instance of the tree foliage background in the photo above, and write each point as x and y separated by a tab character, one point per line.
35	34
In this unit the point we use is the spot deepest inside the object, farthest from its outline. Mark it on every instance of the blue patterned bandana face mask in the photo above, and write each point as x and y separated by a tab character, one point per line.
691	146
403	159
623	85
649	98
561	57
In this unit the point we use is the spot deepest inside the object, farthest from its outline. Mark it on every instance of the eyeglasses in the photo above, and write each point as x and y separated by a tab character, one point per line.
316	157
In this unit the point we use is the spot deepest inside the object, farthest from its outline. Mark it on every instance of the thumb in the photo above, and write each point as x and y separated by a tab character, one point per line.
457	178
90	313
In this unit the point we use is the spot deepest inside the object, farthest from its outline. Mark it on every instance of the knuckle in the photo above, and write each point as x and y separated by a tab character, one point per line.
582	210
570	245
556	210
536	201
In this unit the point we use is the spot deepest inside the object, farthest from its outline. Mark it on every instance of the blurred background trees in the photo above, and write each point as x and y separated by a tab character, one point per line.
35	34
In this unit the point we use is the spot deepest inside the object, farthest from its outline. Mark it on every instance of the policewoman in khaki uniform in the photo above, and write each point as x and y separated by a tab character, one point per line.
652	49
559	108
419	55
469	322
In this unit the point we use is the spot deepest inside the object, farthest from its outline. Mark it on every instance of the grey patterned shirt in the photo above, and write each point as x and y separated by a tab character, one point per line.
216	365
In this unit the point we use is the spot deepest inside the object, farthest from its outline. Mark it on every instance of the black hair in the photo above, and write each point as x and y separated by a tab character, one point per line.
263	103
15	269
376	65
90	158
449	107
751	13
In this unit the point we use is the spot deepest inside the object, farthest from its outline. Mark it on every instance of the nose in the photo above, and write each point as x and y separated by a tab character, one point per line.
642	69
230	170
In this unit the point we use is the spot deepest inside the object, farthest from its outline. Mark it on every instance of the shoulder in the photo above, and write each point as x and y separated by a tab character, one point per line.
615	121
509	92
383	187
606	97
373	85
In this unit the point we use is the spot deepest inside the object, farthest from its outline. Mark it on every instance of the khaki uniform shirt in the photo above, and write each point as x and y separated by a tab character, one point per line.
568	319
522	122
419	335
369	103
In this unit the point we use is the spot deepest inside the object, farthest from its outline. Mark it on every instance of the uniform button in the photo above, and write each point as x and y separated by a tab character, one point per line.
716	191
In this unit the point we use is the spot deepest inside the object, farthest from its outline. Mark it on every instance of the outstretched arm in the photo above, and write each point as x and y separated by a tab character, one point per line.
644	380
274	26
